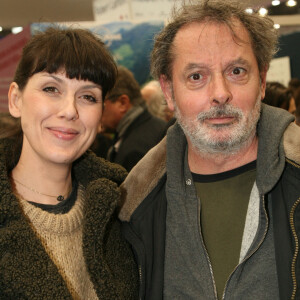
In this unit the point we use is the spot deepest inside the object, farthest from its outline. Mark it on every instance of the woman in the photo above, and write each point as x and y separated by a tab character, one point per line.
59	235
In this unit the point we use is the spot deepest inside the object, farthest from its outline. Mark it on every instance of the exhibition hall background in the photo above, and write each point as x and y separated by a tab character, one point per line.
128	28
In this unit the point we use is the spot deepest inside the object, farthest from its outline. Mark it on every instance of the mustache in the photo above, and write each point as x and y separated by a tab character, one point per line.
226	110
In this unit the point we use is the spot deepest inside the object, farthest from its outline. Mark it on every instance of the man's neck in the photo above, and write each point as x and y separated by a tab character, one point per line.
203	163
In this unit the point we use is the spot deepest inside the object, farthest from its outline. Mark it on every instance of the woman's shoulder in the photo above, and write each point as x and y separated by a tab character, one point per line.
90	167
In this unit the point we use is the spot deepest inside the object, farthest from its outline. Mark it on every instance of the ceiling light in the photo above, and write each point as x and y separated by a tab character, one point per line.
276	26
1	28
263	12
275	2
16	30
291	3
249	10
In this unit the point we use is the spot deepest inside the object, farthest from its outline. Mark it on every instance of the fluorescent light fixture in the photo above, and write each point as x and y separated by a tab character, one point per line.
275	2
291	3
276	26
263	12
249	10
16	30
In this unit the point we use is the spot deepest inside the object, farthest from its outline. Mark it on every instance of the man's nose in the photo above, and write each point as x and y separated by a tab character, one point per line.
219	90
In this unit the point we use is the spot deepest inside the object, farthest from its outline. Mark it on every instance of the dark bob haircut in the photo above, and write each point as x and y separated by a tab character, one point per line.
80	53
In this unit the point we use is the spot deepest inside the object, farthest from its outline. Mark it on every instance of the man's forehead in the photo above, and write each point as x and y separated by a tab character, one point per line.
211	29
210	40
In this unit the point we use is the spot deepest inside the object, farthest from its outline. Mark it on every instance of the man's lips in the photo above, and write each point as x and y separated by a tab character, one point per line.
220	120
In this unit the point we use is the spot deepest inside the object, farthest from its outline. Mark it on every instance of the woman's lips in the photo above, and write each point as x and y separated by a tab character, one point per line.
63	133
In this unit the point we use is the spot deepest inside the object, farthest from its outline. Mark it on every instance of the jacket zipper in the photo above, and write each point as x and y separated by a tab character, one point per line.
247	257
140	278
130	235
207	256
293	267
292	224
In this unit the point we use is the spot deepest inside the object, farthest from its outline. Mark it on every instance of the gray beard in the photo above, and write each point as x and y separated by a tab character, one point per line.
231	137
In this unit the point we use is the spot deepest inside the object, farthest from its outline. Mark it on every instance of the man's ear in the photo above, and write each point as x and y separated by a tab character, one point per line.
263	82
166	87
14	100
124	103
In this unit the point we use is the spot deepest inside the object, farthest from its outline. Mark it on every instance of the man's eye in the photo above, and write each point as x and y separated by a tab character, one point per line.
50	89
195	76
238	71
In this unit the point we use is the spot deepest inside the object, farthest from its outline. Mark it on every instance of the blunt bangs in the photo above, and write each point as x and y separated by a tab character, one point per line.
78	52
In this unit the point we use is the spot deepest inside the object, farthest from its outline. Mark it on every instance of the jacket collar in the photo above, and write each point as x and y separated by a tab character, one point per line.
87	169
272	147
278	138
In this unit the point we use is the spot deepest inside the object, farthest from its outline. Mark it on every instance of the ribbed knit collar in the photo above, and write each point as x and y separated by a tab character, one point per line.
59	224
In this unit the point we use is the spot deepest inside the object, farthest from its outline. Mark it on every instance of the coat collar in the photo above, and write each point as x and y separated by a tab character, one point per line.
146	174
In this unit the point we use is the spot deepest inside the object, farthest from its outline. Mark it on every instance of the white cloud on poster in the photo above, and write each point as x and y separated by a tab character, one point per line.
132	10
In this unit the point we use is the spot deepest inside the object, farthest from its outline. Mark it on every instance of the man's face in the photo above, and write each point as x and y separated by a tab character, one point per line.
112	115
216	87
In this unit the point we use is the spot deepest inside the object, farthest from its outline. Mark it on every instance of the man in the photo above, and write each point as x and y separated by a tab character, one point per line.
155	101
137	130
212	211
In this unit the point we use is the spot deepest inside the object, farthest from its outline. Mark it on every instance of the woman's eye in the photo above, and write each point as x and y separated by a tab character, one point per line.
90	98
50	89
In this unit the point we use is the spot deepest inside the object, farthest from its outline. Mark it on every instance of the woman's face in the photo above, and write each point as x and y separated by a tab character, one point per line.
59	116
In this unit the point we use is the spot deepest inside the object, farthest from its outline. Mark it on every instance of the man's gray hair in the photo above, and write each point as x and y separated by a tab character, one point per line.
263	35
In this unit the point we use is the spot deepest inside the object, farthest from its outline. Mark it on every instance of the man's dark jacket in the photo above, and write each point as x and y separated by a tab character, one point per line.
278	176
144	133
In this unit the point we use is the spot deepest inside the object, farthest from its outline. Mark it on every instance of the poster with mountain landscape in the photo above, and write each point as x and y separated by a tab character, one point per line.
131	44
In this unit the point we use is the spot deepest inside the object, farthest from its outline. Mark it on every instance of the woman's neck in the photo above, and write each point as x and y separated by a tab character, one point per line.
38	181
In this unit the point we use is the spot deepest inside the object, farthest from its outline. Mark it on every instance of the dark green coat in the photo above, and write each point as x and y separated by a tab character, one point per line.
27	272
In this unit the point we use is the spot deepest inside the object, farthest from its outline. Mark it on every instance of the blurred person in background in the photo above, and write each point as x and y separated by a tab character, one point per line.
102	142
280	96
156	102
125	114
297	115
59	234
297	100
294	85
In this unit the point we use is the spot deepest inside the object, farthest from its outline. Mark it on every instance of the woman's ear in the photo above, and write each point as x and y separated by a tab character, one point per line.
14	100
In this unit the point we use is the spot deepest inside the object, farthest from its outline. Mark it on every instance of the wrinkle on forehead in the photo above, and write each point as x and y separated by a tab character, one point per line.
237	30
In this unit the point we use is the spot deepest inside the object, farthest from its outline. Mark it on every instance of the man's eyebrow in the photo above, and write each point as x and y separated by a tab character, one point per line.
239	61
192	66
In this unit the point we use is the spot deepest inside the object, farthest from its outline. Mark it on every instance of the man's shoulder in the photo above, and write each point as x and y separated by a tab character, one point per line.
143	134
291	142
146	119
142	179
